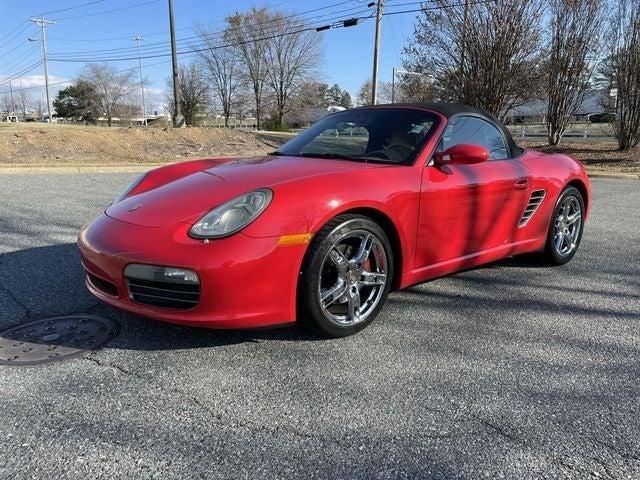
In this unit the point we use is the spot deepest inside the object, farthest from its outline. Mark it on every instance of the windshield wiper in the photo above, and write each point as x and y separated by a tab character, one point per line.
333	156
277	154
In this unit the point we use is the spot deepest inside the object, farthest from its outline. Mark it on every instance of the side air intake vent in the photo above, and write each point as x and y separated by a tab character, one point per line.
534	202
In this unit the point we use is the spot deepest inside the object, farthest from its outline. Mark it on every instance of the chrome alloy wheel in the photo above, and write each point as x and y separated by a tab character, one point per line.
568	223
353	278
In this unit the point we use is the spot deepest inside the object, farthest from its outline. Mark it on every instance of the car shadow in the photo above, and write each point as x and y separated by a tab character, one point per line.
44	282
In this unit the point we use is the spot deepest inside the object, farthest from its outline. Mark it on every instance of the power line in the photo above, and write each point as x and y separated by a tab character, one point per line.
21	73
73	8
157	49
20	60
298	14
62	82
192	51
105	12
206	48
154	46
439	7
7	43
11	32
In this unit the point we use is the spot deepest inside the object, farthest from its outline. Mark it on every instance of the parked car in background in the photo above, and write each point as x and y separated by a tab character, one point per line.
45	119
602	117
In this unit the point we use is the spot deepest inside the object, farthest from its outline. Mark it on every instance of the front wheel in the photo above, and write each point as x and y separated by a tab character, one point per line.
346	276
565	229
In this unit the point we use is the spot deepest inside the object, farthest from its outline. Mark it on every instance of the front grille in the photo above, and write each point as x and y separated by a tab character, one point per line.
102	285
534	202
163	294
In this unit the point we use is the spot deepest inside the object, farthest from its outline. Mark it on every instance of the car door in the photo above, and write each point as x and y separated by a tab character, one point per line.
467	209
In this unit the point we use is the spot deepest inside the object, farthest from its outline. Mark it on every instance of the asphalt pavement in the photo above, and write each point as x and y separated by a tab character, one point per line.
506	371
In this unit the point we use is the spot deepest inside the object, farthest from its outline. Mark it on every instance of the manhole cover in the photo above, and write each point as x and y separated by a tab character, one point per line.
54	339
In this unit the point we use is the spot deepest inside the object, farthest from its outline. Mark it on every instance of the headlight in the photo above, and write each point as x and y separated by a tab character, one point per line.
131	186
232	216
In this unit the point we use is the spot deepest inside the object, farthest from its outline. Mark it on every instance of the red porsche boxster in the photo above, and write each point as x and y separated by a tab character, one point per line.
319	231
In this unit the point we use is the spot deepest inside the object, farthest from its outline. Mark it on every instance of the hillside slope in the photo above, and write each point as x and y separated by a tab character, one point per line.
33	144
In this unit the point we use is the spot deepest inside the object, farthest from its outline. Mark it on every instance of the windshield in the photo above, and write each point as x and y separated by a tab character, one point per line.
388	135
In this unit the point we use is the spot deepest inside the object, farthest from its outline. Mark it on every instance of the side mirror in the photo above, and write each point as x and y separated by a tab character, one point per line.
463	154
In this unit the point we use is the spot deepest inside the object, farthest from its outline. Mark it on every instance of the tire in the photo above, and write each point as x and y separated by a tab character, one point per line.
346	276
558	252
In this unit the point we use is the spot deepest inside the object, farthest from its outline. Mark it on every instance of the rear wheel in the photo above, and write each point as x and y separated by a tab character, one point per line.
565	229
346	276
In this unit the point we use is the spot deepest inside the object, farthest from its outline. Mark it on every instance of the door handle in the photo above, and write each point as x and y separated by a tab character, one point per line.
521	183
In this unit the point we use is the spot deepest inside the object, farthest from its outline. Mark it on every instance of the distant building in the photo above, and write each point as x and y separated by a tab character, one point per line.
595	101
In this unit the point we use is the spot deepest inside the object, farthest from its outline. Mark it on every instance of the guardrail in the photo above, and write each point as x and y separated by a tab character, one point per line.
583	131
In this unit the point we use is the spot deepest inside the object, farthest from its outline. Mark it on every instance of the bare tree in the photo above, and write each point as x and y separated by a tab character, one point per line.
24	100
39	106
242	104
414	88
7	104
127	111
222	65
293	55
623	66
364	93
575	28
485	54
195	93
249	32
112	87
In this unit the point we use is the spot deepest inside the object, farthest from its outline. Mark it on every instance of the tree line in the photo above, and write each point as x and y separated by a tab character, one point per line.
502	54
496	55
263	65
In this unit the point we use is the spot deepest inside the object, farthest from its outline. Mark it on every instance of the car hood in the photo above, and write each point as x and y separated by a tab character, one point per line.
187	198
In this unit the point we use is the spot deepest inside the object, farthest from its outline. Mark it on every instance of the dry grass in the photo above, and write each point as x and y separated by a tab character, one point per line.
70	145
600	157
42	145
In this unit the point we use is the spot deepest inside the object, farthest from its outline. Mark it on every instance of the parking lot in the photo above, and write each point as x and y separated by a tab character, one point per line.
511	370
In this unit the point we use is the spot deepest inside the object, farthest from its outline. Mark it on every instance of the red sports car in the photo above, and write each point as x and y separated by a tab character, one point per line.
364	201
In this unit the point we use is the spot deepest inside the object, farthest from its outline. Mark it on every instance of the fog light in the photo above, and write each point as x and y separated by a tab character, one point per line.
161	274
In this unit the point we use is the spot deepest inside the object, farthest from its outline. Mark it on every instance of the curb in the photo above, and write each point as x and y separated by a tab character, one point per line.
622	176
143	167
81	169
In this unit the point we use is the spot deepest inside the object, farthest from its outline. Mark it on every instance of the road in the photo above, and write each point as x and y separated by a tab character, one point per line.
507	371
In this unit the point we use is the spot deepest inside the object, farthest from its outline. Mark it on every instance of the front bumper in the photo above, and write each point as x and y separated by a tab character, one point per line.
245	282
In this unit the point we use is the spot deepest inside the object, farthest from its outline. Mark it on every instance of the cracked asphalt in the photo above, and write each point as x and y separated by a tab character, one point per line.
507	371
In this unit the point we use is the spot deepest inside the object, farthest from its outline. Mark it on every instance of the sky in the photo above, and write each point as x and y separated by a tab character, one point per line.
94	25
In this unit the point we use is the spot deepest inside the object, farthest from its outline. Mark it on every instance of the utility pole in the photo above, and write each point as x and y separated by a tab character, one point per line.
43	23
178	119
465	15
376	54
137	38
13	105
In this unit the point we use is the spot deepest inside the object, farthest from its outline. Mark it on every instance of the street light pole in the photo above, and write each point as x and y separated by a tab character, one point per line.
395	72
137	38
43	23
376	54
393	85
178	119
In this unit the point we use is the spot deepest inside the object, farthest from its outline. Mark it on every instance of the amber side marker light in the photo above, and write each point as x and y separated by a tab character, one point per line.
296	239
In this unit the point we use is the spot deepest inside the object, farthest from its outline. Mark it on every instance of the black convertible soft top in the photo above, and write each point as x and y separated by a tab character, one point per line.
450	110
